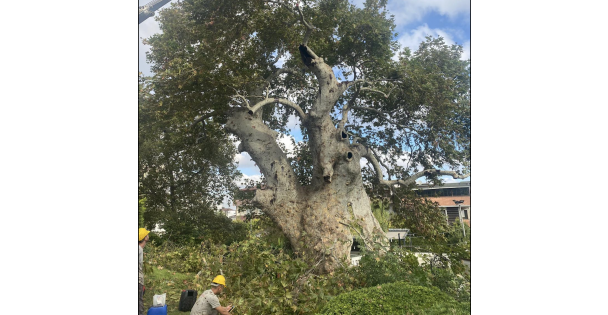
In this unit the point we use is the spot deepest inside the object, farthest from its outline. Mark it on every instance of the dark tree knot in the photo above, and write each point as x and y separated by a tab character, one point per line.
306	57
349	156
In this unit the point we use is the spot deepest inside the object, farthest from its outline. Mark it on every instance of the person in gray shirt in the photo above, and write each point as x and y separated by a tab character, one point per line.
143	239
208	303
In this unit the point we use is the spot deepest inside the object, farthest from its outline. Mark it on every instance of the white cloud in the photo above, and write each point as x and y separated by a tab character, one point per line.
245	161
244	178
287	140
293	122
407	12
466	54
282	60
146	29
410	11
247	164
413	38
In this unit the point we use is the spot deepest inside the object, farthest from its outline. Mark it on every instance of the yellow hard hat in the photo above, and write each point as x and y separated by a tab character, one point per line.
142	233
220	280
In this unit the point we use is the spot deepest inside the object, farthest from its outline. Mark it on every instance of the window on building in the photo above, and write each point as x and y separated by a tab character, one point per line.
442	192
452	214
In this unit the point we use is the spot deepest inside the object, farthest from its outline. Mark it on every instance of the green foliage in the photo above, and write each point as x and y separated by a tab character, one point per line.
447	274
141	209
210	51
174	257
422	216
185	170
457	286
395	265
192	227
272	235
455	233
432	85
264	276
395	298
380	212
302	163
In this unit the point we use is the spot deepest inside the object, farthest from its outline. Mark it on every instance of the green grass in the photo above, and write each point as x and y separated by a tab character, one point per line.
161	281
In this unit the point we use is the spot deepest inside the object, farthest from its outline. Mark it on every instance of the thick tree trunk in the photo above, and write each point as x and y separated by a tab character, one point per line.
320	220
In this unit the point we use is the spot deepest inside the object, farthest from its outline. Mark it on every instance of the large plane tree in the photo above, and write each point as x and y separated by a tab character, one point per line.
243	67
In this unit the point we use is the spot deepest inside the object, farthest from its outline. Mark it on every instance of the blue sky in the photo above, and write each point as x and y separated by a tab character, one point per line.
414	19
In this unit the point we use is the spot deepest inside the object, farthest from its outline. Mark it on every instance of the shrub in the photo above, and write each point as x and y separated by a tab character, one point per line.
456	286
395	265
395	298
400	265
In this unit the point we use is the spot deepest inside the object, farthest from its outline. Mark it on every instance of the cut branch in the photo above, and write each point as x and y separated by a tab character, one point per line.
365	240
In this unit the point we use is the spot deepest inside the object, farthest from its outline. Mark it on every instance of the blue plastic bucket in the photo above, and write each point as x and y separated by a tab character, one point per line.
158	310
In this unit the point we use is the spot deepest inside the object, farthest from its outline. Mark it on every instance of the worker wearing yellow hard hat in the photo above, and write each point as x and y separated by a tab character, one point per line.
208	303
219	280
143	233
143	239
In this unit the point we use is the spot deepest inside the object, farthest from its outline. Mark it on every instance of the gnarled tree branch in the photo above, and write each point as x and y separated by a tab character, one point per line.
371	157
377	91
199	119
346	109
309	27
283	101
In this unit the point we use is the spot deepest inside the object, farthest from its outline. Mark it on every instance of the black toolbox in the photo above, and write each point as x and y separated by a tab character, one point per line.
187	300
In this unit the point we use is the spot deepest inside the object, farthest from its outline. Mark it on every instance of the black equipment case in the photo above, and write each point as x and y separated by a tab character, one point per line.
187	300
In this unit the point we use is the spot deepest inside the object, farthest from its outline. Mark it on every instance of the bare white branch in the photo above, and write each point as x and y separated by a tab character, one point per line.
283	101
371	157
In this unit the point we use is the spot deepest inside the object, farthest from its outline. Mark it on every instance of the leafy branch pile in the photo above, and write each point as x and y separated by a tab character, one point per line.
265	276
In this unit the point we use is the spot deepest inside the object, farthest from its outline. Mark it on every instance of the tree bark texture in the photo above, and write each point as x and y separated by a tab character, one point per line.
321	219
